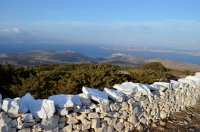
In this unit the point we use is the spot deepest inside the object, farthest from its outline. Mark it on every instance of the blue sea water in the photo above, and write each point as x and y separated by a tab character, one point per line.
96	51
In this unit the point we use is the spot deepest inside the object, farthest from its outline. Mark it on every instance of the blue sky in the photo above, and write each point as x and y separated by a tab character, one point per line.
168	23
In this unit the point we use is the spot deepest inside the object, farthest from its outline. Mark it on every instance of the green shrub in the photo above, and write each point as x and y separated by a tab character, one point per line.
45	80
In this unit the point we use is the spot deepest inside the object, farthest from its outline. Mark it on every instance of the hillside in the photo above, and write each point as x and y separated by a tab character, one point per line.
45	80
129	60
39	57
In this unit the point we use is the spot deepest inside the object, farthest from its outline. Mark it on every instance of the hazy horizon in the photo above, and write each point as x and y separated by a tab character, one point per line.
171	23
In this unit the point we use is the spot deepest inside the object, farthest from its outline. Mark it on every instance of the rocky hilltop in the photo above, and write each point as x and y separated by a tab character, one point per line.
38	57
127	107
129	60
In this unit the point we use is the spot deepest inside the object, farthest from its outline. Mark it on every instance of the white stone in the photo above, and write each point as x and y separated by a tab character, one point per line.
13	123
47	108
196	79
163	114
110	129
62	112
42	108
164	84
96	95
197	74
115	106
188	81
119	126
96	123
130	88
84	99
39	108
161	86
51	123
114	114
71	120
85	121
175	84
115	95
27	117
28	101
81	116
65	101
28	124
61	125
85	127
4	128
67	128
93	115
14	106
105	108
124	106
25	130
4	119
6	104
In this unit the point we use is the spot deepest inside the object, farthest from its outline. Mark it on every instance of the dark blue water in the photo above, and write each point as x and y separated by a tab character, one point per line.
96	51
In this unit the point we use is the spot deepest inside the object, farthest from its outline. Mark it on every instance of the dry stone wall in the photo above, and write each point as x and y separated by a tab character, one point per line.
126	107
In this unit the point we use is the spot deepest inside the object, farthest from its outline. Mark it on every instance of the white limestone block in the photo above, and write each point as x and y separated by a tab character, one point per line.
179	85
14	106
84	99
130	88
6	104
188	81
164	84
50	123
27	117
28	101
65	101
115	95
197	74
127	89
196	79
96	95
41	108
175	84
161	86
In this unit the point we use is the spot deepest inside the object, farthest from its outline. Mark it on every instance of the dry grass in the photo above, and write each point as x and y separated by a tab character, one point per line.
184	121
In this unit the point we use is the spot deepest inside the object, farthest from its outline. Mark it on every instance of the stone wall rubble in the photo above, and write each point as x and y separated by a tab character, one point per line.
126	107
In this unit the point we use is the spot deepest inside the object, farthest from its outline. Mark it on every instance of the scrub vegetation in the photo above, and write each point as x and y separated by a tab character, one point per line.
45	80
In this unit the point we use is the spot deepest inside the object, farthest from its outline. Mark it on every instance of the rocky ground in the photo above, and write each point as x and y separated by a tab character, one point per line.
184	121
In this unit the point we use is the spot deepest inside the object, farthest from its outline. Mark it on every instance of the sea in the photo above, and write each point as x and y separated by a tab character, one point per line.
96	51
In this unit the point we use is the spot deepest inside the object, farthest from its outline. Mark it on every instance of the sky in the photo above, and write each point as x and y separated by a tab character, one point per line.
167	23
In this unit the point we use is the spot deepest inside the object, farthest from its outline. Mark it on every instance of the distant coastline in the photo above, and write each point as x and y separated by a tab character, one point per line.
98	51
157	50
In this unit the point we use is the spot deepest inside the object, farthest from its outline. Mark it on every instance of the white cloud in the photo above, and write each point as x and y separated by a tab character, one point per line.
165	32
14	30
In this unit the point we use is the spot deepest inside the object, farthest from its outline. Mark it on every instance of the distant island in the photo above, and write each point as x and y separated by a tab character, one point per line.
39	57
192	52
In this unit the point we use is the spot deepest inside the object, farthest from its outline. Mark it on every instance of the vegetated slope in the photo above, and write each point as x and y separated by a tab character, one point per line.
123	60
129	60
45	80
38	57
176	65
